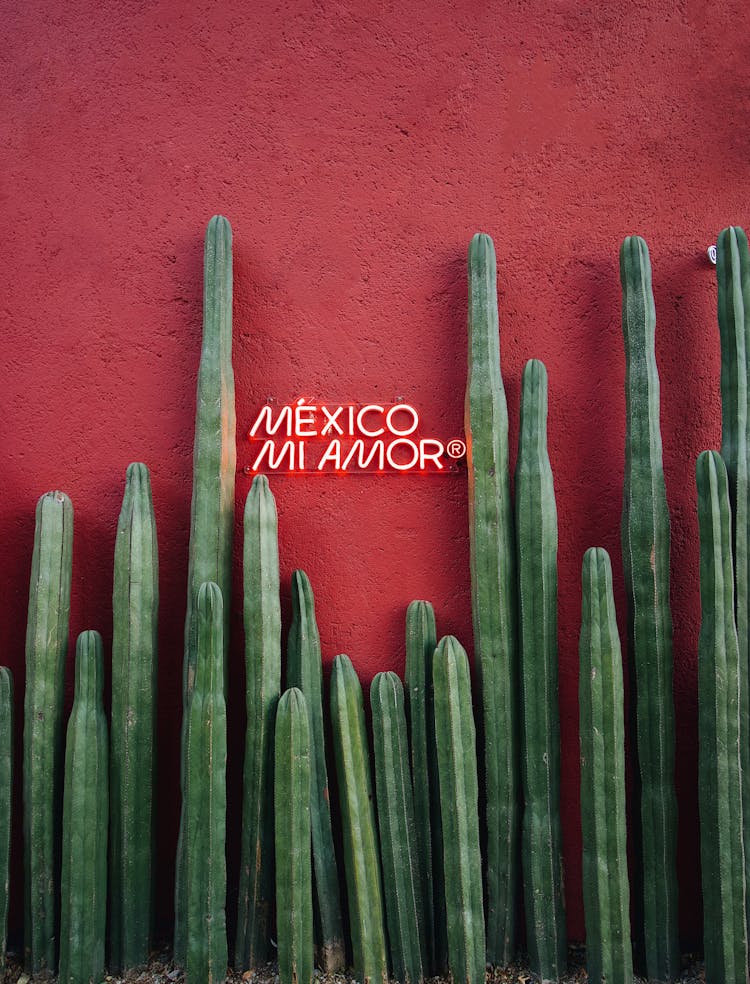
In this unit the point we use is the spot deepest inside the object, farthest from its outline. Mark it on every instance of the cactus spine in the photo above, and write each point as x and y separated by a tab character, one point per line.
135	604
293	839
720	757
262	616
733	274
214	465
6	799
459	797
206	799
46	649
421	640
361	860
536	526
645	550
493	589
83	911
398	847
606	890
304	670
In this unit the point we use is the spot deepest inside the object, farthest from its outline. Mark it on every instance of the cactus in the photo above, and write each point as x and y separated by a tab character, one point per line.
720	716
493	592
212	507
135	603
304	671
6	797
398	846
421	640
606	890
733	274
645	550
293	839
263	682
361	861
206	799
83	910
459	795
536	527
46	649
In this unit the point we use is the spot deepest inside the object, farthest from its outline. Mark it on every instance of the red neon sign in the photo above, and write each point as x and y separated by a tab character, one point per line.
319	438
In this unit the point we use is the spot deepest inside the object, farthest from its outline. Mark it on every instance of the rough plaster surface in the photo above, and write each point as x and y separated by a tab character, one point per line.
355	149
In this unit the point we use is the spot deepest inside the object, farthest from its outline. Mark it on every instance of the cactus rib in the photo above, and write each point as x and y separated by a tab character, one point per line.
606	890
83	910
493	588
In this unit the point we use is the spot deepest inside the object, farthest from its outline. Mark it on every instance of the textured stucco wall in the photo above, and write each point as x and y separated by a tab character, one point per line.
355	149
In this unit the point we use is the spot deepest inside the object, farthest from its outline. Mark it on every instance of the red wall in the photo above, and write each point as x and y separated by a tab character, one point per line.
355	151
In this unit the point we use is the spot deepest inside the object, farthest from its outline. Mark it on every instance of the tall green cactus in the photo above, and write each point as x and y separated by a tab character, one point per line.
536	528
720	753
606	889
645	551
6	799
46	649
304	670
421	640
206	799
262	614
733	274
361	860
214	466
83	909
292	790
135	604
493	590
459	799
398	844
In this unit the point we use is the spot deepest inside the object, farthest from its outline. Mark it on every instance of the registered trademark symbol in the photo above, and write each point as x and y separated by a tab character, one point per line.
456	449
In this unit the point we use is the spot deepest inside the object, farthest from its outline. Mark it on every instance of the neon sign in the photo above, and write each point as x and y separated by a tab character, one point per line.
319	438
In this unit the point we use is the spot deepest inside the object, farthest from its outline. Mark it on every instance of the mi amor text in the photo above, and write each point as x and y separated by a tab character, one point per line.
316	437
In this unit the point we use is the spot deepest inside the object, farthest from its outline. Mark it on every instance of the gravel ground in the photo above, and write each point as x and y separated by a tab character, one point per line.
162	971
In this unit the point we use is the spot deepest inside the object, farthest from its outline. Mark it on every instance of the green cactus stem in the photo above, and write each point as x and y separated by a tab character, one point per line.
361	860
421	640
83	909
720	753
398	843
493	590
459	796
304	670
135	605
214	466
292	790
606	889
733	274
46	650
206	799
262	615
645	550
536	528
6	800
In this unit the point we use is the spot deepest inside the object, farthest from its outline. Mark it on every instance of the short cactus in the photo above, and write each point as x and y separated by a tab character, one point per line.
361	860
294	904
606	889
46	651
6	800
536	529
135	605
459	800
720	753
262	618
83	910
206	799
304	670
398	844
